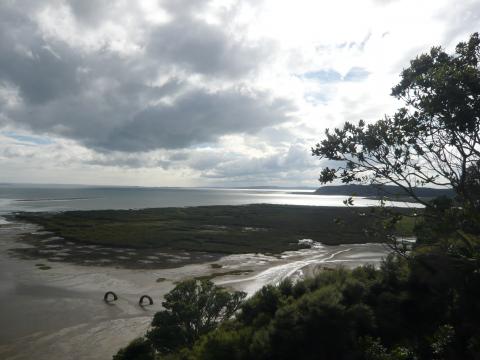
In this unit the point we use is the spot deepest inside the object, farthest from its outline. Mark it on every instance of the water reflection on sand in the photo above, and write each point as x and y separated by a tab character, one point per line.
58	313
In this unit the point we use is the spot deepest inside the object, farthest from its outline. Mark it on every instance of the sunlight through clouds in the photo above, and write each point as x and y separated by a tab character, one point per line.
150	85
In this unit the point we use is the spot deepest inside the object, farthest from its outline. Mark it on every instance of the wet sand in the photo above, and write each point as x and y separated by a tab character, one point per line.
59	312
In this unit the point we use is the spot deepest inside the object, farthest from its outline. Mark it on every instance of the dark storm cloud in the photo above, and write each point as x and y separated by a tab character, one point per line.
111	102
29	63
197	118
118	120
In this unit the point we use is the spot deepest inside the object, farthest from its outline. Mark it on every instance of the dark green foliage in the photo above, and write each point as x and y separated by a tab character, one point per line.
399	311
318	315
138	349
472	184
192	309
219	229
422	307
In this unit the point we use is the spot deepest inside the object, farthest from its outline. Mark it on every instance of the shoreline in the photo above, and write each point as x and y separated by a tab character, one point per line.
54	312
171	237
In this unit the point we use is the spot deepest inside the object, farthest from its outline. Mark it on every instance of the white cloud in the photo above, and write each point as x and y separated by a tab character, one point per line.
200	92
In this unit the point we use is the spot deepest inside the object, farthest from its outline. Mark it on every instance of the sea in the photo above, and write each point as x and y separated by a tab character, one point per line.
54	311
55	198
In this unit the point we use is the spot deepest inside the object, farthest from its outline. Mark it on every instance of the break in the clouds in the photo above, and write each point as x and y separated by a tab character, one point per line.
195	92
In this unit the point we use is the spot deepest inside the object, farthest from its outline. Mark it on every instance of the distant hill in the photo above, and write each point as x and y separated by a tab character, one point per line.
380	190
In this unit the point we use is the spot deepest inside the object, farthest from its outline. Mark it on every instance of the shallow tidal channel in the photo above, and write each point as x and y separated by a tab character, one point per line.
52	308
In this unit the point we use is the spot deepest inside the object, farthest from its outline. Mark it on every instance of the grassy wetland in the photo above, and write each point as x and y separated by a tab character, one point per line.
212	229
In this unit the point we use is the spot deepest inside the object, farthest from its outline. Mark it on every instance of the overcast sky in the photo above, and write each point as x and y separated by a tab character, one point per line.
198	92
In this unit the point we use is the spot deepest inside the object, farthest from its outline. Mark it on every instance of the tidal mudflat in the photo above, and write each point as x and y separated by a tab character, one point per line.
163	237
54	308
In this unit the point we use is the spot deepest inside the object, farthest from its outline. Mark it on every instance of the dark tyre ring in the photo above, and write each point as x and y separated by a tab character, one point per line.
105	297
150	300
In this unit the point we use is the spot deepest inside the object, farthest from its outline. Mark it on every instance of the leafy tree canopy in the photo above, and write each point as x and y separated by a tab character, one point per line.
433	140
192	309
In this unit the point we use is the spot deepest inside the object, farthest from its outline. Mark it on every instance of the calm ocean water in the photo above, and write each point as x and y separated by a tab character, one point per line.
61	198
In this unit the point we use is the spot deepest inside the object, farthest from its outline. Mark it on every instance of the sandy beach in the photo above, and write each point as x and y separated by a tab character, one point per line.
59	312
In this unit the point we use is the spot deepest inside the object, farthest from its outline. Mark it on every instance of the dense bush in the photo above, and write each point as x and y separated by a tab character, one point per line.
408	309
138	349
423	307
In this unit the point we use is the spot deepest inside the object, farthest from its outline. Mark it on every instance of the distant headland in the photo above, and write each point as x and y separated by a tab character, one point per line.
380	190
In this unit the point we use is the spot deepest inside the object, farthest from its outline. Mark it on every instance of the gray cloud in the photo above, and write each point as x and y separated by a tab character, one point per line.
181	8
197	117
90	12
111	102
204	48
29	63
118	119
215	165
